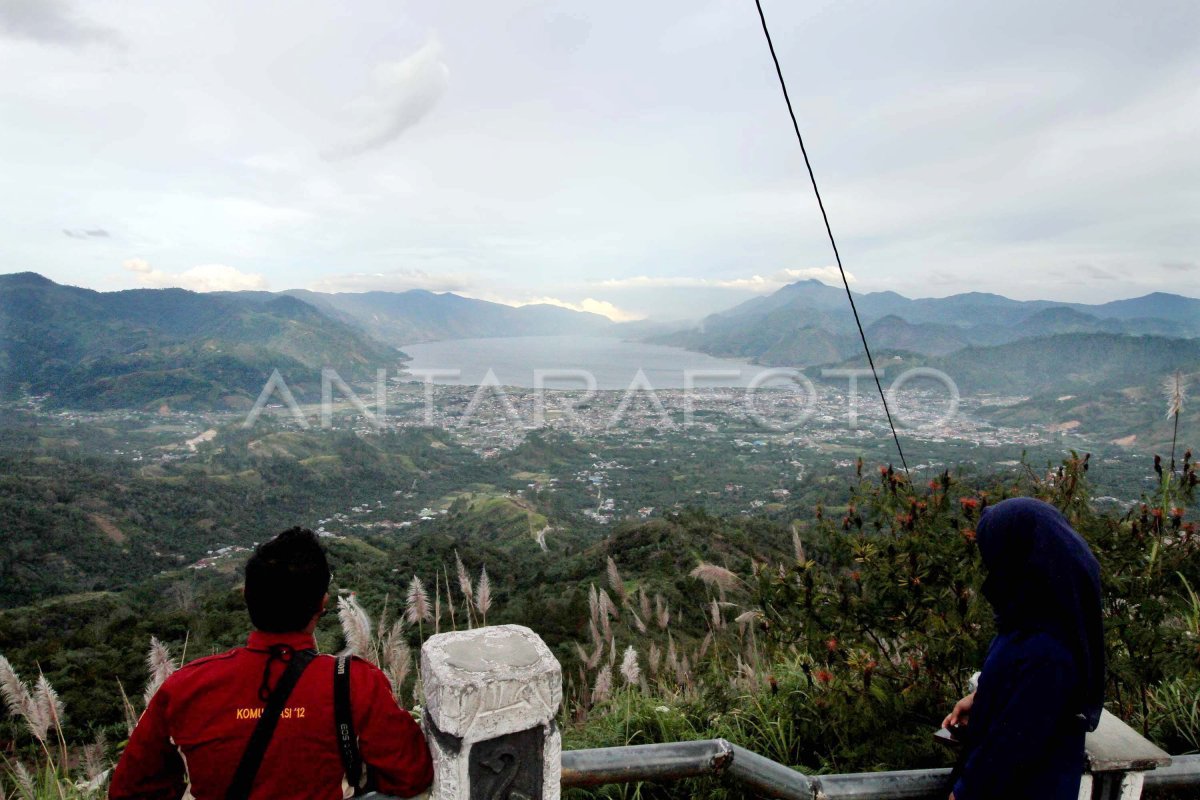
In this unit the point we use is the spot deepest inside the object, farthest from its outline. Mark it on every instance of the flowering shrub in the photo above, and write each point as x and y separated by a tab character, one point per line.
847	655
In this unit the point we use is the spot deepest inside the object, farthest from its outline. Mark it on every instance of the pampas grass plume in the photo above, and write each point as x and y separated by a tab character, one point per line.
603	686
713	575
1175	389
356	627
464	580
644	603
19	700
417	610
630	670
160	665
662	612
798	546
399	665
483	594
615	580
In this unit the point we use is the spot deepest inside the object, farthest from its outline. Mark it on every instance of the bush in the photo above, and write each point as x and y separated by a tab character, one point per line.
847	655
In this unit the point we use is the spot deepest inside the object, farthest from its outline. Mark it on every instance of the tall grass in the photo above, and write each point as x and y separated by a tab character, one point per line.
840	653
1176	715
47	768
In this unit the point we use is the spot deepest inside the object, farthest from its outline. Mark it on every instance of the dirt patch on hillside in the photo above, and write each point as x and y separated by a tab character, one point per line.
108	528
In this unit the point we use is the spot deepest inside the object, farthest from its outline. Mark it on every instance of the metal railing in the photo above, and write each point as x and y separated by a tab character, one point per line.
678	760
712	758
717	757
1181	776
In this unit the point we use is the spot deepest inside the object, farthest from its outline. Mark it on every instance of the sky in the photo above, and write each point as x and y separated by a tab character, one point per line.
629	158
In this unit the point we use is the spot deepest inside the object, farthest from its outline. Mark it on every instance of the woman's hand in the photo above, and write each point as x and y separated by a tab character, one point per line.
961	712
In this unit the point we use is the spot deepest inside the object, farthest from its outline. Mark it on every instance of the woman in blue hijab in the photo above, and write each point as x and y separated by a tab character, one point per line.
1042	684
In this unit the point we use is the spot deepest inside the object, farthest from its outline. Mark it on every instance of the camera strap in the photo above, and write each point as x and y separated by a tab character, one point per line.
344	721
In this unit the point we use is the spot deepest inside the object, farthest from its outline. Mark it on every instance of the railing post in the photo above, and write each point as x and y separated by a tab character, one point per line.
491	698
1118	758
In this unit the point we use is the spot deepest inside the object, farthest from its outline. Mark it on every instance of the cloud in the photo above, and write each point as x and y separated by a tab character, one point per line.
50	22
402	93
1180	266
91	233
589	305
400	280
754	283
204	278
1096	273
829	274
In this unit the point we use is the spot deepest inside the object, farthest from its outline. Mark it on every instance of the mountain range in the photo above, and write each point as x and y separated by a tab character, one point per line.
149	347
88	349
808	322
417	315
143	347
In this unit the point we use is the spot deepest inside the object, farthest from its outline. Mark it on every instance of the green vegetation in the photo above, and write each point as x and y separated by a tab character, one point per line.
846	654
831	638
78	521
149	347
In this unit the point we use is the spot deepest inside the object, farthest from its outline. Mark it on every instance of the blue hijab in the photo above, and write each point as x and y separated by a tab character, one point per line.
1043	578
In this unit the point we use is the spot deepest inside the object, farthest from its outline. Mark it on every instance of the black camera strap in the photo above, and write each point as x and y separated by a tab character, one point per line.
297	661
344	721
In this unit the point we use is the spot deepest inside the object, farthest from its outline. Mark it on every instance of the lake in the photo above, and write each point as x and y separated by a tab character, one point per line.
613	363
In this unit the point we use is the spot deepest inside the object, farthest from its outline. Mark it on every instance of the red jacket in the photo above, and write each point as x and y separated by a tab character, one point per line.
196	727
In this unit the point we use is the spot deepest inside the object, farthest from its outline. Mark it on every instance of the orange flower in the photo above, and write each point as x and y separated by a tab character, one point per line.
824	676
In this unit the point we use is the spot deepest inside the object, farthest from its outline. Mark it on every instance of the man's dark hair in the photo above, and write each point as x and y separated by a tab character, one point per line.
286	579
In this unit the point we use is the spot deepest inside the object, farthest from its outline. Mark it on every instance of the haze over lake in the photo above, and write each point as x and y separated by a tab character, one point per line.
613	362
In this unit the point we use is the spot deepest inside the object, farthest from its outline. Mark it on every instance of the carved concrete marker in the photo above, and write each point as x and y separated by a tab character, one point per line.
491	696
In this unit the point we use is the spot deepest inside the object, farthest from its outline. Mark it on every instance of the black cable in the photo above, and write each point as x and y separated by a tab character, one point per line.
837	256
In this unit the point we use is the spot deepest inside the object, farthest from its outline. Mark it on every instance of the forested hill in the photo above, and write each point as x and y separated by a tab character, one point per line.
1062	363
83	521
1074	360
144	347
1105	386
809	323
417	315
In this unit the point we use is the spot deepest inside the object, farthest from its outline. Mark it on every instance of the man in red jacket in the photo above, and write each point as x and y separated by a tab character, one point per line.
196	730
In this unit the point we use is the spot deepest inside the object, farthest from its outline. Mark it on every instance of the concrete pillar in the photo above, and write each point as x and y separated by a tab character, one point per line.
491	698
